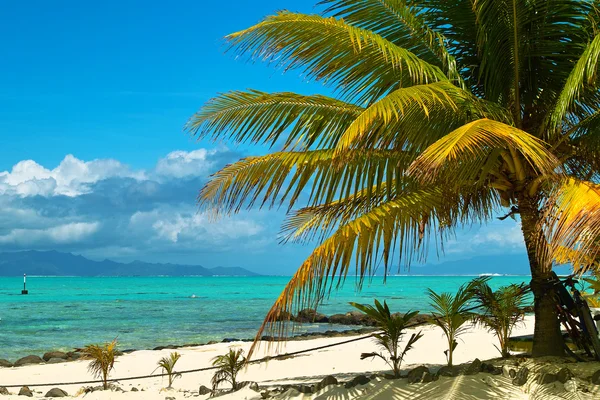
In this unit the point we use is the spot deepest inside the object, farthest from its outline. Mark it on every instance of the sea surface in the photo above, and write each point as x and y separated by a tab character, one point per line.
63	313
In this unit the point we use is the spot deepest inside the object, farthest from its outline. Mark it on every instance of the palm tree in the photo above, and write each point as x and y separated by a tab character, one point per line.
102	360
502	310
393	328
168	366
445	113
228	366
452	313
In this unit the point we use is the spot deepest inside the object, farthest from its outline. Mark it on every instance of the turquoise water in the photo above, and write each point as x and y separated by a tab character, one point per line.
145	312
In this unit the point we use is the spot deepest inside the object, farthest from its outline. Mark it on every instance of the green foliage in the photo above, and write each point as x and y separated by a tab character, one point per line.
229	365
441	113
592	294
451	313
167	364
102	360
393	328
502	310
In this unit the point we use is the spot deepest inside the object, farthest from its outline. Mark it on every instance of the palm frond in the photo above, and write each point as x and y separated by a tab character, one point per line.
583	77
400	23
412	103
572	222
365	242
265	118
354	60
279	177
476	141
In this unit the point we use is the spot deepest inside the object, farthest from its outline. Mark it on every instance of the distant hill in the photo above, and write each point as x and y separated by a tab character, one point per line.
54	263
505	264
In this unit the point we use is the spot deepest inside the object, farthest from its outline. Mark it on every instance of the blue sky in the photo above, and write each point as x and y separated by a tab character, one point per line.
93	158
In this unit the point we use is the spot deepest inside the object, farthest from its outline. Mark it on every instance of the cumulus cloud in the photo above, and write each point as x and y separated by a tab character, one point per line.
494	238
191	227
72	177
105	209
60	234
181	164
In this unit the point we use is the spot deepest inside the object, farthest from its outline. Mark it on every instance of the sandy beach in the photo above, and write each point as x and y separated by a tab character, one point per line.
342	362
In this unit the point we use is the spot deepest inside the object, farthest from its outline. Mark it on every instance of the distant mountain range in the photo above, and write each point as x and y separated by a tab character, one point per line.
54	263
504	264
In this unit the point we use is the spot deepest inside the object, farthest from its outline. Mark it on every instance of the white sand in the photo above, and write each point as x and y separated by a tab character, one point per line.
342	361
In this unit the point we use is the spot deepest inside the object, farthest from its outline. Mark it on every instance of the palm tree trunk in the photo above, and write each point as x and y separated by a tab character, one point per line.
547	338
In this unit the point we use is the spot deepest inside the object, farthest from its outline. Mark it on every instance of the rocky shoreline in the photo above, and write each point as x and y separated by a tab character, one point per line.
352	318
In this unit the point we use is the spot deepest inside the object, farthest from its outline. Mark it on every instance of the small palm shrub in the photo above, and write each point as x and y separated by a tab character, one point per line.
102	360
453	312
167	364
393	328
501	310
228	366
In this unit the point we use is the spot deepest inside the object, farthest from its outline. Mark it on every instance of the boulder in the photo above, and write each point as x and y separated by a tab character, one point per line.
328	380
28	360
564	375
5	363
547	378
204	390
310	315
25	391
521	377
474	367
134	389
55	354
596	378
419	374
357	380
284	316
56	360
4	391
56	392
448	371
73	355
489	368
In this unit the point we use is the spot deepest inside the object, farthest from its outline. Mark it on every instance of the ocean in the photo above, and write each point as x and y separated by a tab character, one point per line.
62	313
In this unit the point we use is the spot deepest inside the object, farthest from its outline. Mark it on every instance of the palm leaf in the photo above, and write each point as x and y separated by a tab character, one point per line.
401	24
475	141
283	176
363	241
260	117
583	77
354	60
572	222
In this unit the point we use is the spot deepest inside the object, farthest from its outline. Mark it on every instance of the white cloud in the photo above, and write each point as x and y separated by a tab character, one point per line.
501	235
494	238
74	177
181	164
71	177
61	234
189	226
